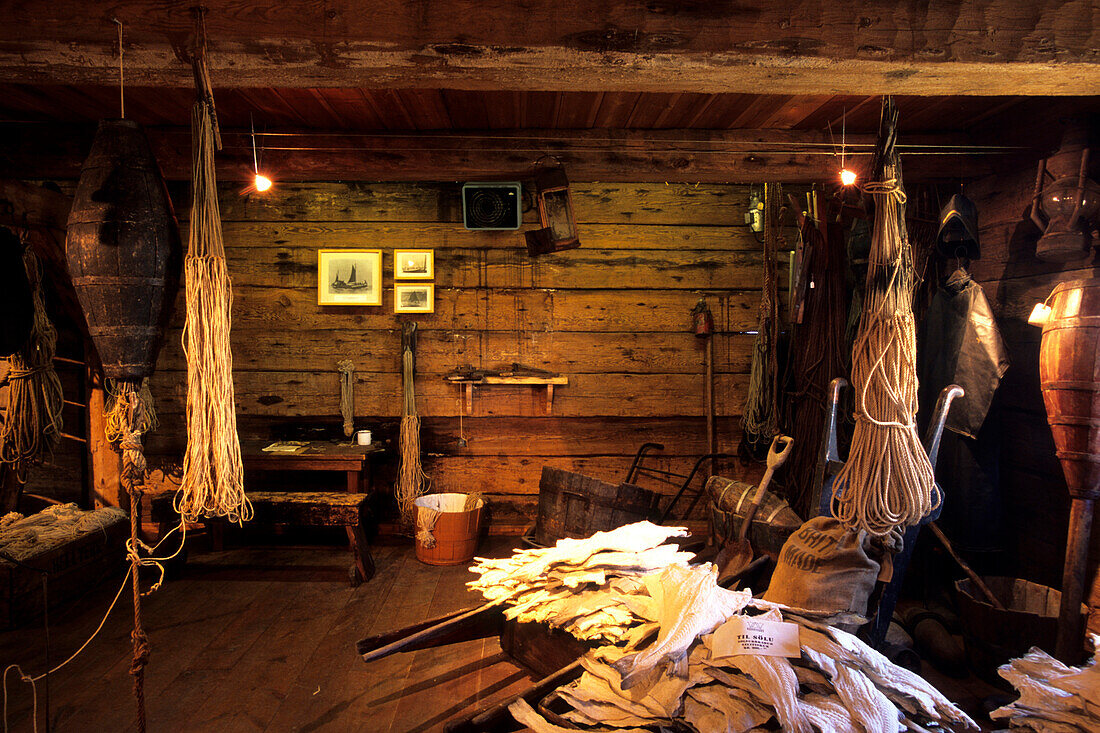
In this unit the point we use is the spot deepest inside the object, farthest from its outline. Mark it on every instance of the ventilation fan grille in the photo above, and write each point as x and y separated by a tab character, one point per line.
491	205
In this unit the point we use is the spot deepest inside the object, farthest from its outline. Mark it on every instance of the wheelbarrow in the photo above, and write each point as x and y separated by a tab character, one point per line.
829	465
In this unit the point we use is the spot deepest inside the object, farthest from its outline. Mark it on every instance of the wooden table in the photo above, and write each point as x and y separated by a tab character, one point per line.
352	459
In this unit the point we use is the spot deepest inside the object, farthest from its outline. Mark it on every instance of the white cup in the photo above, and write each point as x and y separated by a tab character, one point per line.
362	437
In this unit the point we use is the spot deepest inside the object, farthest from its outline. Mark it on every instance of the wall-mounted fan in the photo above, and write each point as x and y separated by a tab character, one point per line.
491	205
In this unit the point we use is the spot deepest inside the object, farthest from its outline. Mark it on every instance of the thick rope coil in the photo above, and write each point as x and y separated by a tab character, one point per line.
887	481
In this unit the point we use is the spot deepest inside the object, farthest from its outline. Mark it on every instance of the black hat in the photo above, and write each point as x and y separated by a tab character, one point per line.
958	234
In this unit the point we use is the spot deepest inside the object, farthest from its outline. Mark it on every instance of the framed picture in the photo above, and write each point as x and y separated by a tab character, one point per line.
349	277
414	298
413	264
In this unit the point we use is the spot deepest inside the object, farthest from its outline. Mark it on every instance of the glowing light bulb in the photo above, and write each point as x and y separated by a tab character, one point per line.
847	177
262	183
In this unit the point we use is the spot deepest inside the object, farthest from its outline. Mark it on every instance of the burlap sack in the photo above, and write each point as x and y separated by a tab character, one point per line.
825	567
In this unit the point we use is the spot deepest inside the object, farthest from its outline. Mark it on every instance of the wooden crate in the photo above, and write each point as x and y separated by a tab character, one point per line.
74	568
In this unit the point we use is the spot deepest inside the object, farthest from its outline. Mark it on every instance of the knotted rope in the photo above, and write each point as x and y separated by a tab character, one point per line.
887	481
133	481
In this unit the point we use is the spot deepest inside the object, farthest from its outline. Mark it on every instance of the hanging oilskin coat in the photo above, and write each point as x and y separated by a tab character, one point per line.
961	344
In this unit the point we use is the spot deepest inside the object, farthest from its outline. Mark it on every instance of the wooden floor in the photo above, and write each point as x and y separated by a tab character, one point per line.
263	640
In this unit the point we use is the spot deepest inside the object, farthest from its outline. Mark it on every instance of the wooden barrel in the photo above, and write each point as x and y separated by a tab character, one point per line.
123	249
574	505
1068	374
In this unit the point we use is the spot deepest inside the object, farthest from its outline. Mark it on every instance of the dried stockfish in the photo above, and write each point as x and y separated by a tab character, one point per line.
1053	696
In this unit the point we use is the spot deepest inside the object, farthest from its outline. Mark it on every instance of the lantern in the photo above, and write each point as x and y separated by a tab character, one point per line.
559	227
1065	207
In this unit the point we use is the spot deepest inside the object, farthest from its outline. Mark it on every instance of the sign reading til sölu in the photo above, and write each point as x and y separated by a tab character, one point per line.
748	635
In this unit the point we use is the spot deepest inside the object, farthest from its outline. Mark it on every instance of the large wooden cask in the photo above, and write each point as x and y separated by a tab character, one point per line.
123	249
1068	367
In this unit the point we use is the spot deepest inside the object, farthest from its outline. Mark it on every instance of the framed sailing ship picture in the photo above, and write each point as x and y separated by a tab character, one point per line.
413	264
414	298
349	277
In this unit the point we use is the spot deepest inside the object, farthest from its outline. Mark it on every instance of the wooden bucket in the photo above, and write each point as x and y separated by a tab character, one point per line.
574	505
1068	376
993	636
123	249
455	530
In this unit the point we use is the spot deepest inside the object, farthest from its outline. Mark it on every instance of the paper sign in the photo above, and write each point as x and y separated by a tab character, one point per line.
748	635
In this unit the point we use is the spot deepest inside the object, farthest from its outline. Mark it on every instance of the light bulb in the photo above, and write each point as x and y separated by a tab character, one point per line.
847	177
262	183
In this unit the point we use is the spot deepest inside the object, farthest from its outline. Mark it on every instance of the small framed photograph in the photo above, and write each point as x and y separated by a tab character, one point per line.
414	298
413	264
349	277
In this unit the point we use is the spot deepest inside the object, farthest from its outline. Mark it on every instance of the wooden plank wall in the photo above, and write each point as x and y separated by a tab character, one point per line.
612	316
1033	485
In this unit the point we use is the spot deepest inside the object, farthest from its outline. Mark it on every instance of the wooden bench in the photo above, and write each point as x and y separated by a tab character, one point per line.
299	508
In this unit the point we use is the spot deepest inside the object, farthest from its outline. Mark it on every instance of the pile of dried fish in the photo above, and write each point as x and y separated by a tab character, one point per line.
1054	698
581	585
663	667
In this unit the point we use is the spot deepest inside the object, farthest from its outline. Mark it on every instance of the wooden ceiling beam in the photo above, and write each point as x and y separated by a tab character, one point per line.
735	156
817	47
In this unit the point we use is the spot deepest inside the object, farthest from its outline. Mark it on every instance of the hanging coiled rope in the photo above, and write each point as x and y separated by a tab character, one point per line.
213	475
759	424
32	423
412	482
887	481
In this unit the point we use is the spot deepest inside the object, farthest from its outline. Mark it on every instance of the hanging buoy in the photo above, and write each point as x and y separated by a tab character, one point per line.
123	250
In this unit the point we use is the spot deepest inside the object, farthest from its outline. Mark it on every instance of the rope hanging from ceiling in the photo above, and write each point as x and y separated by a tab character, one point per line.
759	423
887	481
213	475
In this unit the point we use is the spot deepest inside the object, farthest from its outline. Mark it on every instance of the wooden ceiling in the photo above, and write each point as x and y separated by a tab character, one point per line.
342	109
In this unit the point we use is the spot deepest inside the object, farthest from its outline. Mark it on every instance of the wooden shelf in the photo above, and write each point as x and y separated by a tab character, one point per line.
548	382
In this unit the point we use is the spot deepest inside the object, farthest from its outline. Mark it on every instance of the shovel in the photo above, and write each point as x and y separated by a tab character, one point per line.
737	554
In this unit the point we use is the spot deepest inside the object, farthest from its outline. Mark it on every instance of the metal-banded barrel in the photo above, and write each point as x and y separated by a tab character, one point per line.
123	249
1068	373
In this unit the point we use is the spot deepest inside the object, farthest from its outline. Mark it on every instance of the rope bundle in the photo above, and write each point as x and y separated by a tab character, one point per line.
347	395
759	422
213	476
412	482
887	481
31	427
